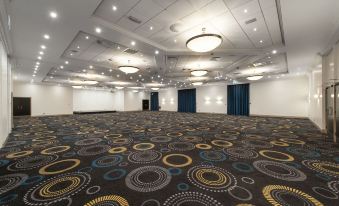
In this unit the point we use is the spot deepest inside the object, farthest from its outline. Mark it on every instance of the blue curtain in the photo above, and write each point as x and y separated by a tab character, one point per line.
186	100
154	101
238	100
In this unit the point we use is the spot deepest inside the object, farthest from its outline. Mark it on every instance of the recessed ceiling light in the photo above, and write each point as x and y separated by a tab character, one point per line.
46	36
151	28
156	52
61	67
41	52
33	75
66	62
102	73
118	75
53	14
78	47
255	29
87	37
39	57
133	43
118	47
175	41
90	66
261	41
37	63
110	70
114	8
51	77
84	70
245	10
274	51
43	47
98	30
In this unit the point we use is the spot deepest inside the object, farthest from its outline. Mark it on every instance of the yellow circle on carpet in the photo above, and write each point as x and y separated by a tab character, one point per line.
203	146
292	141
286	190
49	189
143	146
44	170
108	199
278	143
221	143
288	158
50	150
188	162
18	154
178	134
222	179
116	150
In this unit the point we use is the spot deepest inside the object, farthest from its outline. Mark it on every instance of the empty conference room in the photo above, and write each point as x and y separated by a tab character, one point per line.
169	103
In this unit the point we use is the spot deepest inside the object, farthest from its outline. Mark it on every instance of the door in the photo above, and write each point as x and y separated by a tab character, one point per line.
238	99
21	106
145	104
329	111
187	100
154	101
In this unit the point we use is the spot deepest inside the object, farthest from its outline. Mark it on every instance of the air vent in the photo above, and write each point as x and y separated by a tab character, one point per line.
133	19
250	21
130	51
215	59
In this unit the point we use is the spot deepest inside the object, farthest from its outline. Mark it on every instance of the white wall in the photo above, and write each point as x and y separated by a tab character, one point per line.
212	99
119	100
5	95
133	100
89	100
168	99
45	99
315	112
280	97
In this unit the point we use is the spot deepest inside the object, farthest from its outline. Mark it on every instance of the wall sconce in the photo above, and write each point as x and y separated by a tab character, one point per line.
219	100
172	101
207	100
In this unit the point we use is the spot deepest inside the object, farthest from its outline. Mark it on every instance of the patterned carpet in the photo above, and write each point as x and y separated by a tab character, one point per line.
164	158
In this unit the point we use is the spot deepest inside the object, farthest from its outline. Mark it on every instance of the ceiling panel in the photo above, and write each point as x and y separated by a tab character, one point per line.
232	4
272	22
105	10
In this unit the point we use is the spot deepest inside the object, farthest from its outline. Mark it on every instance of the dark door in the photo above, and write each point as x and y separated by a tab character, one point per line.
238	99
154	101
145	104
21	106
329	111
187	100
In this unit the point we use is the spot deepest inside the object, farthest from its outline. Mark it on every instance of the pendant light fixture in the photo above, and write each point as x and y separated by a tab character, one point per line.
255	78
204	42
199	73
129	69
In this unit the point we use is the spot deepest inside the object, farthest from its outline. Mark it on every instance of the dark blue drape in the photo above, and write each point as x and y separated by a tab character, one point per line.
154	101
186	100
238	100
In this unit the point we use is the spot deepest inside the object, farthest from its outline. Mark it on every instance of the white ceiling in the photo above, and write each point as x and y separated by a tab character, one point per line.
240	50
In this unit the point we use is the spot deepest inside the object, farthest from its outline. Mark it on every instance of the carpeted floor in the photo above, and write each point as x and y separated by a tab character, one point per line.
163	158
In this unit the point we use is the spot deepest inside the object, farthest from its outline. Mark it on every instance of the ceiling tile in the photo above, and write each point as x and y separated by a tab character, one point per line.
106	12
232	4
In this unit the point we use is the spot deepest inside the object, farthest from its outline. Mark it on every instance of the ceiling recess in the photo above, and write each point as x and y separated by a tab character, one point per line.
134	19
251	21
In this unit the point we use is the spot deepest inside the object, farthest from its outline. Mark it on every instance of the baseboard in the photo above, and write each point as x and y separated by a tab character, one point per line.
277	116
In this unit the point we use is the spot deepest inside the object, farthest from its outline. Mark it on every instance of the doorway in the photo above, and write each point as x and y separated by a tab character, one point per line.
238	99
187	100
21	106
145	105
154	101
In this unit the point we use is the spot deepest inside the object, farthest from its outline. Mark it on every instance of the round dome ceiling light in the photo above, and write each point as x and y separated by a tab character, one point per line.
197	83
129	69
155	89
199	73
255	78
204	42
